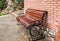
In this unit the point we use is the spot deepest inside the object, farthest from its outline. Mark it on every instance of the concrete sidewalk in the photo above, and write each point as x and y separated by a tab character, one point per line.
10	31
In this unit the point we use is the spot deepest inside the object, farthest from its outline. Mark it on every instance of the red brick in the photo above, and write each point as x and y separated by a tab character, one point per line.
53	8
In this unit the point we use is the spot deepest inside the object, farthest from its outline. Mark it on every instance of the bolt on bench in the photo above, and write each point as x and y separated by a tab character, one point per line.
33	20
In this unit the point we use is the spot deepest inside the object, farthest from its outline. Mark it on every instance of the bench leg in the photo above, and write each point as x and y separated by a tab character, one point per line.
36	32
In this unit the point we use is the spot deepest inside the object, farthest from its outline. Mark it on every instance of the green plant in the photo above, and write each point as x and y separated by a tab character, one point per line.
1	14
18	4
14	5
21	3
20	0
2	2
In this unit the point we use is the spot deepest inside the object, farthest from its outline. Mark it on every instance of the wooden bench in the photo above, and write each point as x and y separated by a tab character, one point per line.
31	20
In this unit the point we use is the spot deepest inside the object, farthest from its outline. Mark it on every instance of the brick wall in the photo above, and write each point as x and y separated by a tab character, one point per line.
53	8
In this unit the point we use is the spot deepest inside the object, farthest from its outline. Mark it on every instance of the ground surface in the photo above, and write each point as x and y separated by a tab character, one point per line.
11	31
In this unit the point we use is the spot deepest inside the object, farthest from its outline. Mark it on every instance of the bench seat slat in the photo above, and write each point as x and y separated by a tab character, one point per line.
31	17
26	22
34	18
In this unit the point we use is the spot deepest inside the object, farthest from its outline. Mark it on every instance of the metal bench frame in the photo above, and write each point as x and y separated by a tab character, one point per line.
36	30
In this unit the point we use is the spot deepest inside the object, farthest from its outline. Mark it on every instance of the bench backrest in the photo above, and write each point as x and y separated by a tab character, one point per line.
35	14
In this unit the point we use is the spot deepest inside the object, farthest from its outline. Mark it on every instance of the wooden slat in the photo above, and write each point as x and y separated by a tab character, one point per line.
31	16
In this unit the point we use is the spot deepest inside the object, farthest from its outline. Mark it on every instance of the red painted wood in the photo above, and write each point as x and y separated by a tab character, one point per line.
31	17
